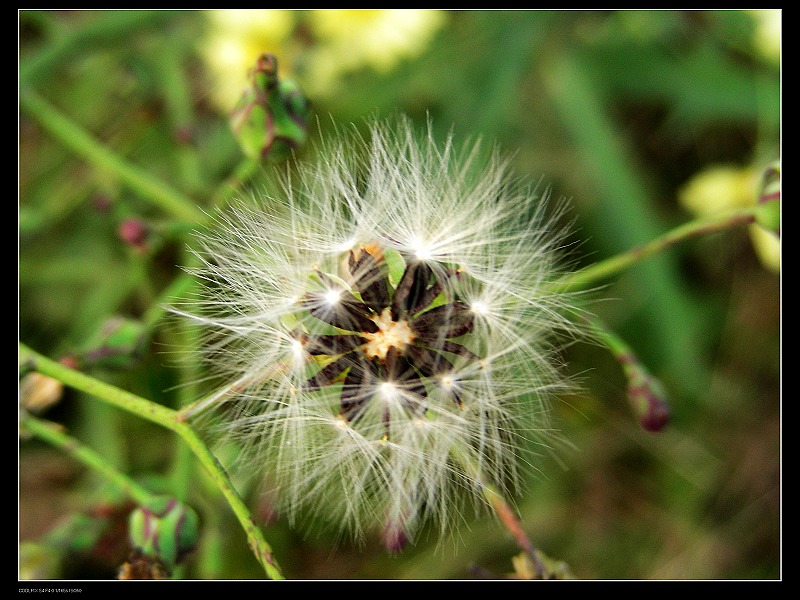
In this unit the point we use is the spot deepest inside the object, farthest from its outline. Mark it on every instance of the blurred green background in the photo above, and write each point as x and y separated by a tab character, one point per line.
640	119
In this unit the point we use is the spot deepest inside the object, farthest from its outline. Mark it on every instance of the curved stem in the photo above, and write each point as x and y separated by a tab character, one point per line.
168	418
611	266
55	435
85	145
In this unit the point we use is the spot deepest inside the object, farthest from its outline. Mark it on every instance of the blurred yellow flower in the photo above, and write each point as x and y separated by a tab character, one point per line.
332	43
721	188
255	22
353	39
767	38
378	38
235	40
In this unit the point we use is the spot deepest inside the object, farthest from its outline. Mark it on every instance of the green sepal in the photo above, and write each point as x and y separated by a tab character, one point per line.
165	529
119	344
270	119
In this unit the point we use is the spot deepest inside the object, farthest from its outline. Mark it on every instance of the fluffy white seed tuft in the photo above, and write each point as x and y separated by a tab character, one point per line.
406	423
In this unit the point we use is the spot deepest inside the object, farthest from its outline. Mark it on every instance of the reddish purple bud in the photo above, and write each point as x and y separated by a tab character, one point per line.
652	411
394	537
770	185
134	232
647	396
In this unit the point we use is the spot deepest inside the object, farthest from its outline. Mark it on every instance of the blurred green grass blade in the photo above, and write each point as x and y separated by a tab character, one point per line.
106	27
102	157
622	218
487	91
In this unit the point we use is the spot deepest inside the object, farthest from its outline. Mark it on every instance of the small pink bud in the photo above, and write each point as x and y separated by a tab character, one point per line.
134	232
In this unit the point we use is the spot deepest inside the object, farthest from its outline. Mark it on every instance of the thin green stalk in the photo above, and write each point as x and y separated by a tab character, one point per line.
504	511
618	347
55	435
85	145
646	394
170	419
611	266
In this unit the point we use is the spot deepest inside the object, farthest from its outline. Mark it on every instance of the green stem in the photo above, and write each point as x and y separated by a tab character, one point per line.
611	266
618	347
646	394
55	435
83	144
168	418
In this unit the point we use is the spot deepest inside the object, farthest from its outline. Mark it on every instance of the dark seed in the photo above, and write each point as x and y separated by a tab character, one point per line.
410	290
429	362
436	288
370	280
445	321
397	369
427	297
456	348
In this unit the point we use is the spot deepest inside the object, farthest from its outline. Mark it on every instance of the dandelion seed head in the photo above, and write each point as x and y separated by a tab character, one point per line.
384	330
